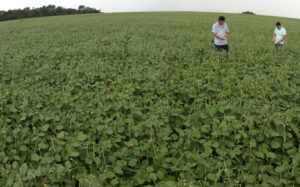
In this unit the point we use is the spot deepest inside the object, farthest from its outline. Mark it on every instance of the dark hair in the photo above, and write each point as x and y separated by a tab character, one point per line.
278	24
222	18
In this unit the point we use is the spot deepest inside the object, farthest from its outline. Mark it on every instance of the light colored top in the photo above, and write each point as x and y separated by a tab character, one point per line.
220	30
279	34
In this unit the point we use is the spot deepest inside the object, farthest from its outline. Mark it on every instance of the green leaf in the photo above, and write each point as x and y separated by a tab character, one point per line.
140	180
48	160
74	153
82	137
275	145
270	180
23	169
284	181
15	165
59	127
35	157
109	131
45	128
13	109
23	148
150	169
42	145
170	184
260	155
271	155
23	116
17	184
212	177
61	135
132	162
160	174
212	110
297	156
282	168
75	144
288	144
249	179
153	176
253	142
97	160
118	170
114	182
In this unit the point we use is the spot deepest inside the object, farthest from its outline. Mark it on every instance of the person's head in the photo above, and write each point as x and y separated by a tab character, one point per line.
221	20
278	25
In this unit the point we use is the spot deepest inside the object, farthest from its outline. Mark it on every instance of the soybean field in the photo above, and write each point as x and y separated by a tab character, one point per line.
143	99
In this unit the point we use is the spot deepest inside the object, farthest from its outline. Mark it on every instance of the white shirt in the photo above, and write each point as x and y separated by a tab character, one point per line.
220	30
279	34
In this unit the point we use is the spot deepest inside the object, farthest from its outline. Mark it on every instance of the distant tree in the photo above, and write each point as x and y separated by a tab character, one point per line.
59	10
248	12
1	14
27	12
81	8
50	10
36	13
70	11
89	10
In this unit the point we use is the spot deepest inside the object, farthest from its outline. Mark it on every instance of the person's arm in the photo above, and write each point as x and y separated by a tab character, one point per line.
227	35
219	37
227	32
283	38
274	37
214	31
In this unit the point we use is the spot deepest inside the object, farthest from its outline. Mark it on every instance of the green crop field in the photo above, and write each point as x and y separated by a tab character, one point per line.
142	99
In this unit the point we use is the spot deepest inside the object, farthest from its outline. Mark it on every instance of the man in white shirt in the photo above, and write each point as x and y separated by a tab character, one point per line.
279	36
220	31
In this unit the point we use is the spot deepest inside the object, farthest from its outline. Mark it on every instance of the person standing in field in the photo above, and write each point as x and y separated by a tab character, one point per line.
279	36
220	31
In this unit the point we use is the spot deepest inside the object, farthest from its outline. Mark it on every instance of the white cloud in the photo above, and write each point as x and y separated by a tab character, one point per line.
288	8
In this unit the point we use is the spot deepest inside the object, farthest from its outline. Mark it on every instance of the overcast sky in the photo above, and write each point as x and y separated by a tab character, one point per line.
284	8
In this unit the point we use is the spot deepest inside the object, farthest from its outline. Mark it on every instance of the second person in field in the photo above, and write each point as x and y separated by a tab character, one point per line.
220	31
279	36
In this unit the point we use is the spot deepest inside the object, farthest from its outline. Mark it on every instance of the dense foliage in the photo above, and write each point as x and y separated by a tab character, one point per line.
50	10
248	12
142	99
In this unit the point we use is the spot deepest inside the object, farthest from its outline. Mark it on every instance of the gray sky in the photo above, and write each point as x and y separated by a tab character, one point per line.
286	8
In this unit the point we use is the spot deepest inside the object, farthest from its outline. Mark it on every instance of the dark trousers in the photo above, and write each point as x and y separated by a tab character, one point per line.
222	48
278	46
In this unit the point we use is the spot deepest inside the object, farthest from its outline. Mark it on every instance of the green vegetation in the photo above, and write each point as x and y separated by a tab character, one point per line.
50	10
143	99
248	12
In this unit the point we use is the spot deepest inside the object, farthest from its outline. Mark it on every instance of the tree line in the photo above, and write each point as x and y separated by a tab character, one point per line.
248	12
50	10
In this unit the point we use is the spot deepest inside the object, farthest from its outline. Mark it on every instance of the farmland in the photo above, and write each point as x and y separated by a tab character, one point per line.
137	99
